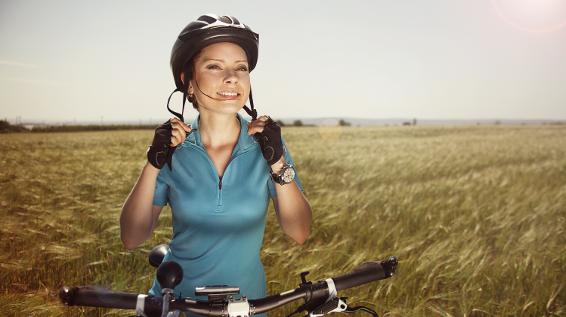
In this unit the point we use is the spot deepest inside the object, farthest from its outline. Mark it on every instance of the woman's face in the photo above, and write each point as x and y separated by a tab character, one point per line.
222	74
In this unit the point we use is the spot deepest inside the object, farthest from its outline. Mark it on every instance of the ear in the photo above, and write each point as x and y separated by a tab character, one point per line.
191	90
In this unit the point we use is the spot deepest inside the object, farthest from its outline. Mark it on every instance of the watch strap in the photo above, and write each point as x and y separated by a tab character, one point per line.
278	178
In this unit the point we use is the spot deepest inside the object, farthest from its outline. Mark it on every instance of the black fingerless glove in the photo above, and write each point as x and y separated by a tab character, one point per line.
270	142
160	153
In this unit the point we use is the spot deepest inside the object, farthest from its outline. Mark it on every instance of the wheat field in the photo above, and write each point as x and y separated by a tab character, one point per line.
476	216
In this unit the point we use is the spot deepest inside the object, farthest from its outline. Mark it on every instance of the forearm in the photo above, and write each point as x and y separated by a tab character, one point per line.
292	208
293	211
136	218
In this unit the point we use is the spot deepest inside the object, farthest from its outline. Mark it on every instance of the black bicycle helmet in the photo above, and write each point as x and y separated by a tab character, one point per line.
209	29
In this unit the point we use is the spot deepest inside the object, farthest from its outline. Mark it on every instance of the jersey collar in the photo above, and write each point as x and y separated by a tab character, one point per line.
245	141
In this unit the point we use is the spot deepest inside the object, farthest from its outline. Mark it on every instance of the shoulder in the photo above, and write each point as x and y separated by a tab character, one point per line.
245	141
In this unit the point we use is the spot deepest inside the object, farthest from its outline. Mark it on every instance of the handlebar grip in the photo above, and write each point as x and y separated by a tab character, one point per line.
365	273
97	297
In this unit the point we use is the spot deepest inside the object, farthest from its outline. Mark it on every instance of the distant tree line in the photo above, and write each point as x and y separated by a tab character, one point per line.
299	123
93	127
344	123
409	123
296	123
6	127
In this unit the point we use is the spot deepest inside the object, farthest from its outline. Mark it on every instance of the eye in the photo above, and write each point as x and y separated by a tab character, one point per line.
213	66
243	68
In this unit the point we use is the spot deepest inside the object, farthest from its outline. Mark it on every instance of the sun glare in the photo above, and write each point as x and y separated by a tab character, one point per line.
538	16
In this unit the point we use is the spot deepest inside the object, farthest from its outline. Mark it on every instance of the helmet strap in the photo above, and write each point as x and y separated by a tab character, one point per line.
252	112
178	115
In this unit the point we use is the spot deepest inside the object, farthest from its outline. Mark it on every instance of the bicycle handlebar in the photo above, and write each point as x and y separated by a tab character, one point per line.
365	273
314	293
96	297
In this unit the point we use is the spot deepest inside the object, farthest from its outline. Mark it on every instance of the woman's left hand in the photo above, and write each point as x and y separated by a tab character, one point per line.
268	134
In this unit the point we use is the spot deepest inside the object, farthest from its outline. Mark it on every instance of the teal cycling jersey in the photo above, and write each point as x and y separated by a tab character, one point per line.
218	221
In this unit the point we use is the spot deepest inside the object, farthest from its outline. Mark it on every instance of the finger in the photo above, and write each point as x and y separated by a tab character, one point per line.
175	140
259	123
178	127
183	125
187	128
263	118
252	125
181	134
178	136
175	121
255	130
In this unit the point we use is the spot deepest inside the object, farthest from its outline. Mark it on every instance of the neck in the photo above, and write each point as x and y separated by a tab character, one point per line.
218	129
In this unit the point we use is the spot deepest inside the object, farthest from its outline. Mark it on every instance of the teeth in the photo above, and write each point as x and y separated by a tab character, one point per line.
228	94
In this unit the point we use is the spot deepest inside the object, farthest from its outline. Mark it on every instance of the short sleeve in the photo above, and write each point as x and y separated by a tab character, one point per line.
288	159
161	193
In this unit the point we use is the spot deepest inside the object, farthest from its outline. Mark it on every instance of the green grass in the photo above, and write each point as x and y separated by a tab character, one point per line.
476	215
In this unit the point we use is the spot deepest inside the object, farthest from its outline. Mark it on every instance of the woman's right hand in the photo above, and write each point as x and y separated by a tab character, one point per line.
167	137
179	132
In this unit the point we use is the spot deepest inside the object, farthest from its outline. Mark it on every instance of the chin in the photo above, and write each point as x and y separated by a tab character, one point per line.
226	108
234	105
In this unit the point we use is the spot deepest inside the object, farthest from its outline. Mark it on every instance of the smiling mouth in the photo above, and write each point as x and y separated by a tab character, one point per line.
228	94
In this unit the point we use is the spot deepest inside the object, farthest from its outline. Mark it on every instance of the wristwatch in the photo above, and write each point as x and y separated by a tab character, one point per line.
285	176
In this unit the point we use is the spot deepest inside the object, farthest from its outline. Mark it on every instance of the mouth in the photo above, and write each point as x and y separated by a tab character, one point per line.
228	94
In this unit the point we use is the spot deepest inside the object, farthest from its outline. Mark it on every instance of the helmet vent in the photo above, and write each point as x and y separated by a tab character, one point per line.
226	19
207	18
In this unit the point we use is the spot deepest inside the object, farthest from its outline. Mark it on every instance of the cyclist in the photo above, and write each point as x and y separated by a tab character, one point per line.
218	173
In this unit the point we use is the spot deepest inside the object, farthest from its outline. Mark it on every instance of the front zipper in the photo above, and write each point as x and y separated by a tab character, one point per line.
219	201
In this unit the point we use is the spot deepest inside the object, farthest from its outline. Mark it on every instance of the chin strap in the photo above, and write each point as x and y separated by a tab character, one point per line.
252	112
178	115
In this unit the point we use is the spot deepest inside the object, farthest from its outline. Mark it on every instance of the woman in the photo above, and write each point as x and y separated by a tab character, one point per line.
221	170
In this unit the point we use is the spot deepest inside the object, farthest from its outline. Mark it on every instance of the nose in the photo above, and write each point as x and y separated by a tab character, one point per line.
230	77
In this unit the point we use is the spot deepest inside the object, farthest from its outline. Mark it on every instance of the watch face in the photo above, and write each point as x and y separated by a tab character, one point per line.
288	175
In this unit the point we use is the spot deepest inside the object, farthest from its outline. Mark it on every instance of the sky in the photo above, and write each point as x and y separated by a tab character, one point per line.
440	59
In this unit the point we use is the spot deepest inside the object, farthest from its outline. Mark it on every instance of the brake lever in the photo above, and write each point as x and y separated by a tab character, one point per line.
335	305
338	305
362	308
175	313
